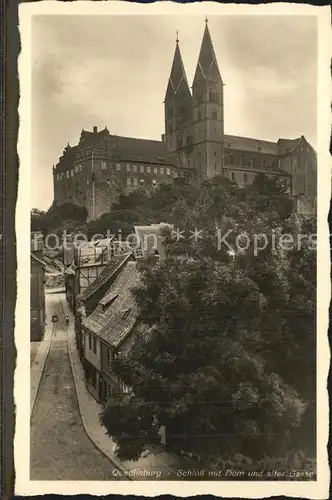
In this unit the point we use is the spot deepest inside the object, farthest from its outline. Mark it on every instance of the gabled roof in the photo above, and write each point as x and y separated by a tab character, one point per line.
116	262
287	146
113	323
237	143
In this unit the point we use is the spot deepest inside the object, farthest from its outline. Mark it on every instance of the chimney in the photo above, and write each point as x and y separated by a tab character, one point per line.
95	129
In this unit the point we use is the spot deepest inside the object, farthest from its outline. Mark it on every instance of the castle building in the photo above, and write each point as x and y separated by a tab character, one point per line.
194	146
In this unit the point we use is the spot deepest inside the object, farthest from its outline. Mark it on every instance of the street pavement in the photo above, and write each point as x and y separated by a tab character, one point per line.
59	447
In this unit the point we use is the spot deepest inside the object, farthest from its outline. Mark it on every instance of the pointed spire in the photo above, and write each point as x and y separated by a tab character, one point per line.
178	74
207	56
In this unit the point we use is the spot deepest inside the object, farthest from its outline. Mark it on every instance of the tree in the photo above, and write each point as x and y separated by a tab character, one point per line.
200	372
37	219
221	326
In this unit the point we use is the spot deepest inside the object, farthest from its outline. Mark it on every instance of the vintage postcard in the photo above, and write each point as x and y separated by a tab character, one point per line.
173	250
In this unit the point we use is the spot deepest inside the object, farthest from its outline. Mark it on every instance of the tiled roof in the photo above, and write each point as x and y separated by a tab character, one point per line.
114	322
248	144
144	150
115	263
139	334
130	148
288	145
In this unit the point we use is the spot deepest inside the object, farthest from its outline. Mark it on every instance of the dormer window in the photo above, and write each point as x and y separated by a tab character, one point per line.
106	301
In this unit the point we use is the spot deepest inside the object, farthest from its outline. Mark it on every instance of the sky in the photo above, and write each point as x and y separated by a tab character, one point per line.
113	71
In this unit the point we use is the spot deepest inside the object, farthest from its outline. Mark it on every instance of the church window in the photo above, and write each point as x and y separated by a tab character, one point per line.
141	168
135	181
155	170
128	168
134	168
162	170
154	182
148	169
214	114
118	167
168	171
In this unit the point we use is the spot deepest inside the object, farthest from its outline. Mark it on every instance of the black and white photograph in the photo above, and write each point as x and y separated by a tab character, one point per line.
174	255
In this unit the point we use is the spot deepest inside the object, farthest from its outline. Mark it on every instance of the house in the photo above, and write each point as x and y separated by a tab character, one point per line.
84	261
88	300
150	239
110	330
37	299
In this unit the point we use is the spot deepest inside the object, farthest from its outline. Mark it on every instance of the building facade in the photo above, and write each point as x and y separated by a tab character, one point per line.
194	145
37	299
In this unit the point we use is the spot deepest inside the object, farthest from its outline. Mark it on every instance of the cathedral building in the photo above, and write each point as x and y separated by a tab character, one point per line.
194	146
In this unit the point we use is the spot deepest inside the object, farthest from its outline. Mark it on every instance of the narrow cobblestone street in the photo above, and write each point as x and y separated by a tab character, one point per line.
59	446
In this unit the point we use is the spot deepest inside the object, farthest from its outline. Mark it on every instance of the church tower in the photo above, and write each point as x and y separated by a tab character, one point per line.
208	112
178	113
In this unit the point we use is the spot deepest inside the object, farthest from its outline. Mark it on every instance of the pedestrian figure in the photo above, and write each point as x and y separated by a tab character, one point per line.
67	320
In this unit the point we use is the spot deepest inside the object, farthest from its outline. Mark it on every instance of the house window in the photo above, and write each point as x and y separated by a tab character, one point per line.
148	169
168	171
162	170
155	170
103	165
170	112
214	114
134	168
245	178
170	128
90	341
154	182
94	344
231	159
141	168
199	115
128	181
135	181
128	168
72	172
215	153
142	182
67	174
232	176
118	167
87	181
215	167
